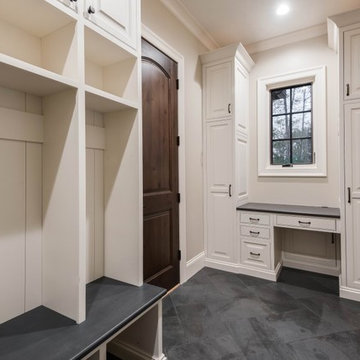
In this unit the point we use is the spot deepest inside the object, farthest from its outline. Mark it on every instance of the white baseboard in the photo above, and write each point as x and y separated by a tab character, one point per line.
349	293
311	267
129	352
194	265
245	270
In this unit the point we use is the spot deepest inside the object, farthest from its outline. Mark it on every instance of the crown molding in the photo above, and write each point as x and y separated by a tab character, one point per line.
230	51
177	8
290	38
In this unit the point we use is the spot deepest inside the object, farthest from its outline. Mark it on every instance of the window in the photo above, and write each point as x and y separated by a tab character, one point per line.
291	125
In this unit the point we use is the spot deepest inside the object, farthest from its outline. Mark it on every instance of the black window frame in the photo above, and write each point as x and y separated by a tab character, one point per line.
291	138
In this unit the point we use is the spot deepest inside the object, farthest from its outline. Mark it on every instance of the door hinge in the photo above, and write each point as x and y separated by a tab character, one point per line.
177	84
178	140
179	255
178	197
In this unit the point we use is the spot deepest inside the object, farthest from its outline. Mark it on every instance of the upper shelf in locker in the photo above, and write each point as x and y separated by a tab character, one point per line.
109	67
18	75
41	33
104	102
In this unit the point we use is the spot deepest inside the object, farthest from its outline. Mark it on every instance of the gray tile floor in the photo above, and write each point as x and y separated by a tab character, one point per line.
221	316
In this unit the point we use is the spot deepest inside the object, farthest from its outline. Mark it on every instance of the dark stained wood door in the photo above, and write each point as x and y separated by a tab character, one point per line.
160	168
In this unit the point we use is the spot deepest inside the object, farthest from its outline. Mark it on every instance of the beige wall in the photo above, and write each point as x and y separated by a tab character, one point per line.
302	191
159	20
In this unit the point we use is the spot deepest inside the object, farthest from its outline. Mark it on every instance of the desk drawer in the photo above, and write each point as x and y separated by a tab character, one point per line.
310	223
254	218
255	253
255	232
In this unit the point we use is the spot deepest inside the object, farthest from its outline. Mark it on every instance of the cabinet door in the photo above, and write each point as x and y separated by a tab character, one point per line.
241	106
117	17
352	181
218	91
220	206
352	64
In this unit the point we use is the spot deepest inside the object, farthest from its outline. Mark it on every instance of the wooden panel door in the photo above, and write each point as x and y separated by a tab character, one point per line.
352	64
352	181
117	17
218	91
160	168
220	206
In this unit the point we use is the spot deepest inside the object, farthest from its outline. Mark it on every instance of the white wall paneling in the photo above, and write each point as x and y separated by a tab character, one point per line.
33	229
12	229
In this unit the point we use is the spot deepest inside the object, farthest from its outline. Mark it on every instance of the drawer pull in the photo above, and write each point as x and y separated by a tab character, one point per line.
254	232
254	219
254	254
304	222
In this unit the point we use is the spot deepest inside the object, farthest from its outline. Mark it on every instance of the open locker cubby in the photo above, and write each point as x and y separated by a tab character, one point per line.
113	237
40	207
110	68
36	33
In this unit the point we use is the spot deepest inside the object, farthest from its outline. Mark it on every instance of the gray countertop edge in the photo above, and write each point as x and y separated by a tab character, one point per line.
316	211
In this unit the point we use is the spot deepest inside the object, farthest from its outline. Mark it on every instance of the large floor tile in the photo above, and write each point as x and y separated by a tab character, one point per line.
339	346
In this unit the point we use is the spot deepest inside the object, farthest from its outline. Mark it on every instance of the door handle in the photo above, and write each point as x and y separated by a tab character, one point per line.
230	194
347	89
304	222
254	254
349	195
229	108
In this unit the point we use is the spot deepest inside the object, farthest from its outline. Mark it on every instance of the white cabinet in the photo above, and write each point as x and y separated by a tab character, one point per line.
225	103
218	89
220	213
352	184
117	17
352	64
347	26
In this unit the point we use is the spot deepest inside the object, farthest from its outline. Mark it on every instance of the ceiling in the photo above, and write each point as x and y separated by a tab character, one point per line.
251	21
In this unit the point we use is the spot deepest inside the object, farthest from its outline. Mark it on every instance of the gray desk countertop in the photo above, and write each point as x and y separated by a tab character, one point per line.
319	211
42	334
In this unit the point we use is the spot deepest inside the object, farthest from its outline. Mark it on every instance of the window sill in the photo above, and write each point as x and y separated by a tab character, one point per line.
295	171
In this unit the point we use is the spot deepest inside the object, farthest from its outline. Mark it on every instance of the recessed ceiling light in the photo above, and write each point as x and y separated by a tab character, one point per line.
282	9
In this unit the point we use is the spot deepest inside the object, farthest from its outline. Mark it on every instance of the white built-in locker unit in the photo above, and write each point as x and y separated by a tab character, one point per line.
70	151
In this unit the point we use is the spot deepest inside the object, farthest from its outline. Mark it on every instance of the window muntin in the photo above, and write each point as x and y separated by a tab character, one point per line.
292	125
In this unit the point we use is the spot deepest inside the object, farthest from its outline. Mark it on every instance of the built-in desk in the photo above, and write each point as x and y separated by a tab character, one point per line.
261	248
113	309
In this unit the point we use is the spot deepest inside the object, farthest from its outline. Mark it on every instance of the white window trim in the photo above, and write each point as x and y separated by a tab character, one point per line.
317	76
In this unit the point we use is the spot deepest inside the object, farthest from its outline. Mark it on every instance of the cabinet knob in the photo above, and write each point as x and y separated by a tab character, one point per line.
229	108
91	10
230	193
73	0
347	89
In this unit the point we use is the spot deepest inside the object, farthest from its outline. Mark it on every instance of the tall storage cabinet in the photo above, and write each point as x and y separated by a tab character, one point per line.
225	109
70	141
346	28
